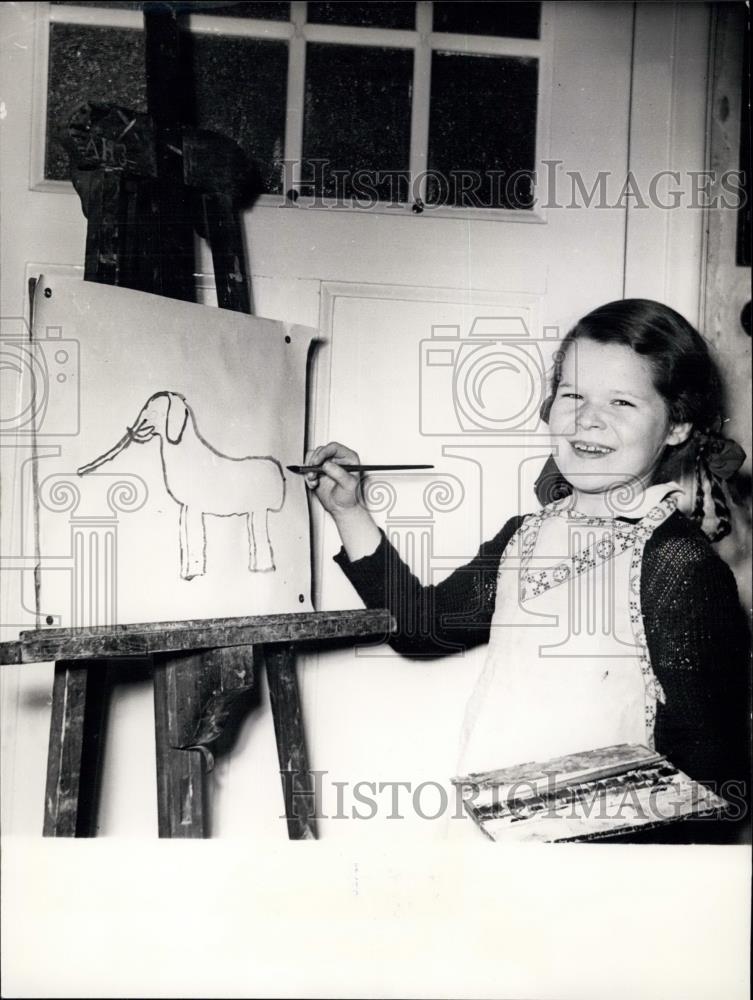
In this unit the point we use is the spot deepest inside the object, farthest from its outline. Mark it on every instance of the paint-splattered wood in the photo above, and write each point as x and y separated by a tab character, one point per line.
181	687
10	652
168	96
42	645
232	673
297	780
223	181
79	700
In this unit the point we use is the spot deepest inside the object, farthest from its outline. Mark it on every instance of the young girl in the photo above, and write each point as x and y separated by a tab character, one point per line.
609	617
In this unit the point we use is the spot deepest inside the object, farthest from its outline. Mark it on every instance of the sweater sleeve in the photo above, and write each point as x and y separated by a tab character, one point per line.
432	620
700	649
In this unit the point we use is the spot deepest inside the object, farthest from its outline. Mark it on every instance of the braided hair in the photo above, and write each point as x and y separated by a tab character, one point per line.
685	375
704	476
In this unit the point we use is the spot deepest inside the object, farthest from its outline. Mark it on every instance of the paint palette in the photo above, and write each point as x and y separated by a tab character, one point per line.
585	796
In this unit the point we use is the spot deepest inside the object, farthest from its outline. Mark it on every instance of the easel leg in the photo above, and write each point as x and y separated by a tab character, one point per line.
194	695
181	793
79	704
297	780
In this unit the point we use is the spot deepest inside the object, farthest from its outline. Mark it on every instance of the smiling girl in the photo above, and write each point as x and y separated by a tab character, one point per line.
609	617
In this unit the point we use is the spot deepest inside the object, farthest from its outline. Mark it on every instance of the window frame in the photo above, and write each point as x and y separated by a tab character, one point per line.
297	32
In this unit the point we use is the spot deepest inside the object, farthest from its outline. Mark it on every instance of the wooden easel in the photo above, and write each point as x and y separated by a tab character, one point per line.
146	182
192	705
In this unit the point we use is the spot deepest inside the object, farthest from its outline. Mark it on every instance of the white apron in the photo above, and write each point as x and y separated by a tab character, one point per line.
567	667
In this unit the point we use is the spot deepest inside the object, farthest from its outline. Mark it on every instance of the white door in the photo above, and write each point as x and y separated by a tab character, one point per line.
403	374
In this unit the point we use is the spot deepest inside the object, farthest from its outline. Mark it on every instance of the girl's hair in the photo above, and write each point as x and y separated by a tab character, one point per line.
684	374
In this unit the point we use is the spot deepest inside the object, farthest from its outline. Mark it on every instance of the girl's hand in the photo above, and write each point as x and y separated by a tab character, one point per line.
337	491
334	488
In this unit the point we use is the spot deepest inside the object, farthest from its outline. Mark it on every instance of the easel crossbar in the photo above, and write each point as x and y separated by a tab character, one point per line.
42	645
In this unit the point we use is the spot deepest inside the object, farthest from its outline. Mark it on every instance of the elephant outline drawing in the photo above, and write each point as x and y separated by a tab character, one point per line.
202	480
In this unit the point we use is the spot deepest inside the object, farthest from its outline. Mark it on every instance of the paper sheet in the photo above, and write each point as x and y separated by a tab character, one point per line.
162	430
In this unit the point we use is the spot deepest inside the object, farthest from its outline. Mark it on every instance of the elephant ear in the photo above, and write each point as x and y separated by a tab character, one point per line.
177	418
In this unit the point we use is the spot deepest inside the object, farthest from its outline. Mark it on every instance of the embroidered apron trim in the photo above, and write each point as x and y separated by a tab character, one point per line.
533	583
623	537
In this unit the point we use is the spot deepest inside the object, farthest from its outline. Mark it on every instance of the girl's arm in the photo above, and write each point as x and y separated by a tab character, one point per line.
700	649
437	619
431	620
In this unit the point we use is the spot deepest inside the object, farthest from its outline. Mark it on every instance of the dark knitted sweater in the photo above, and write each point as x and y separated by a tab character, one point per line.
697	636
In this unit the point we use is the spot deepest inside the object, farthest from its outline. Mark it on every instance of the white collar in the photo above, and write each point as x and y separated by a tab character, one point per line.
651	497
626	505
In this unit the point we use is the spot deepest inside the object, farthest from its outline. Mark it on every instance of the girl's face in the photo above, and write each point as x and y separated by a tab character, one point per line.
609	422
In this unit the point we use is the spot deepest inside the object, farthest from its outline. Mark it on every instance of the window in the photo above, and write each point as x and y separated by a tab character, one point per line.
405	104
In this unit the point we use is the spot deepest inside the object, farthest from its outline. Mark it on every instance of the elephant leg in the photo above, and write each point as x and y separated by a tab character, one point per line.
251	542
258	535
196	543
183	534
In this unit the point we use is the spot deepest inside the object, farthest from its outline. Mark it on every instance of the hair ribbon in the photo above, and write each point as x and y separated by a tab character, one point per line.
722	455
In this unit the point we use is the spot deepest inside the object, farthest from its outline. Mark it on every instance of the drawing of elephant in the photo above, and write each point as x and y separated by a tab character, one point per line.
203	481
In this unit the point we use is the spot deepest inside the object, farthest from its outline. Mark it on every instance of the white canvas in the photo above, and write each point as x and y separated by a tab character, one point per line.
160	488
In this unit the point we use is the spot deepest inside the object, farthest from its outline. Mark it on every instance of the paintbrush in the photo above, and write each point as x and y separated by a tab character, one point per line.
303	469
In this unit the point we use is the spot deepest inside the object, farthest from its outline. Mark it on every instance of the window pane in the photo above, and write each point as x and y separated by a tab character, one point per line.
269	11
482	130
104	65
357	119
239	87
511	20
365	15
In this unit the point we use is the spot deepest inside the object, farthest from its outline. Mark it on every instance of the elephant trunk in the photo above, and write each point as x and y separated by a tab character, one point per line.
108	455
